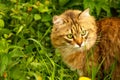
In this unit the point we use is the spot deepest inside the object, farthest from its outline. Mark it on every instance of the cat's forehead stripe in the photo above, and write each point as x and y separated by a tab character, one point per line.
73	18
70	14
75	28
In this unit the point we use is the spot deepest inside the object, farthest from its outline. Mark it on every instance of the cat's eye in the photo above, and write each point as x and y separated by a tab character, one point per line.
70	36
83	33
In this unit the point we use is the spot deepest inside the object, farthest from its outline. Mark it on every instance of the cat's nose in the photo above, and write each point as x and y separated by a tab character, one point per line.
79	41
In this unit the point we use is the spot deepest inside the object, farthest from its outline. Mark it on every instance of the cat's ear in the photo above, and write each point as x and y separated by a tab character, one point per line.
57	20
85	13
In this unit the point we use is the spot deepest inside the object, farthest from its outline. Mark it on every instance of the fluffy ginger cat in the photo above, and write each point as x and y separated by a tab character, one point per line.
86	45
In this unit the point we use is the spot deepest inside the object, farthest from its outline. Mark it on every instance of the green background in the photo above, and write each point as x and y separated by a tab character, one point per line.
26	52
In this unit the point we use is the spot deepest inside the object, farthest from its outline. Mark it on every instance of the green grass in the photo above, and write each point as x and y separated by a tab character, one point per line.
26	52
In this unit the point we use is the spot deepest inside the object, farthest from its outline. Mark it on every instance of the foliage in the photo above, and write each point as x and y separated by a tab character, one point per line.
26	52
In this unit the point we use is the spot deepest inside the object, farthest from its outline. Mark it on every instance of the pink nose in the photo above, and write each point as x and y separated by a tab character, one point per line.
79	41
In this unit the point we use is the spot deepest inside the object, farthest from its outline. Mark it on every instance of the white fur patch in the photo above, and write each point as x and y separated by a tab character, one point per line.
76	46
83	44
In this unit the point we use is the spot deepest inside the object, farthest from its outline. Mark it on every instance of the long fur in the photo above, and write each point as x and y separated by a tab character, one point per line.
102	44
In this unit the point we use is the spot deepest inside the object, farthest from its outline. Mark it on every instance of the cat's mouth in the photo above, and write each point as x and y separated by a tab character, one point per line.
82	47
79	45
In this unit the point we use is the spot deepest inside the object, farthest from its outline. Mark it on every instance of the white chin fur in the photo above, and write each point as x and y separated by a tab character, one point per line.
76	46
84	46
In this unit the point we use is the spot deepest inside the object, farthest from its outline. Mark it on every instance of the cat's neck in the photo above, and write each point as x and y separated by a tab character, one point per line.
65	51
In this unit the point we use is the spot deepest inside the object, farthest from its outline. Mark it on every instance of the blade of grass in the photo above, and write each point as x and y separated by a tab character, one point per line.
36	42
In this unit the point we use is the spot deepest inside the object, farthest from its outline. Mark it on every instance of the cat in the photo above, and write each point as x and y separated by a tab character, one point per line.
86	44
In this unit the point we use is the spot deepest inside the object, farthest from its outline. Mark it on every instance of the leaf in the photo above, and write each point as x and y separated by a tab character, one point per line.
22	42
27	17
107	9
86	4
17	74
20	29
29	48
3	7
37	17
63	2
16	53
4	31
46	17
74	3
3	63
34	40
14	1
16	17
2	24
98	10
42	8
3	46
29	60
37	76
94	72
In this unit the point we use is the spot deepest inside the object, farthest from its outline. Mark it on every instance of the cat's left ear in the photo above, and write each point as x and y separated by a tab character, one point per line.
57	20
85	13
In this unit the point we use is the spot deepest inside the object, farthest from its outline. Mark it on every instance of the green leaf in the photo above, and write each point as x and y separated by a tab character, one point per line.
107	9
94	72
3	63
2	24
29	48
17	74
20	29
17	17
72	3
4	31
3	7
63	2
42	8
98	10
46	17
16	53
22	42
14	1
3	46
28	18
37	17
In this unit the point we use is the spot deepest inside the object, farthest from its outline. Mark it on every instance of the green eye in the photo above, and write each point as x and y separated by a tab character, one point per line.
70	36
83	33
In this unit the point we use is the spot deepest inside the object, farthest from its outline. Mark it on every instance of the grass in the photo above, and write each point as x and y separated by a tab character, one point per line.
50	68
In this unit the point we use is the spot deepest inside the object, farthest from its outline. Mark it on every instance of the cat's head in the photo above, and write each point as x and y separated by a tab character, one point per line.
74	29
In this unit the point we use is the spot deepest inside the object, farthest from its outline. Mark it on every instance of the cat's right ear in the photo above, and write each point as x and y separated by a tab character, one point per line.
57	20
85	13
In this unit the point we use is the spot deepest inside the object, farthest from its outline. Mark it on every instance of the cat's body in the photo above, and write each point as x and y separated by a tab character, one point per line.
85	43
